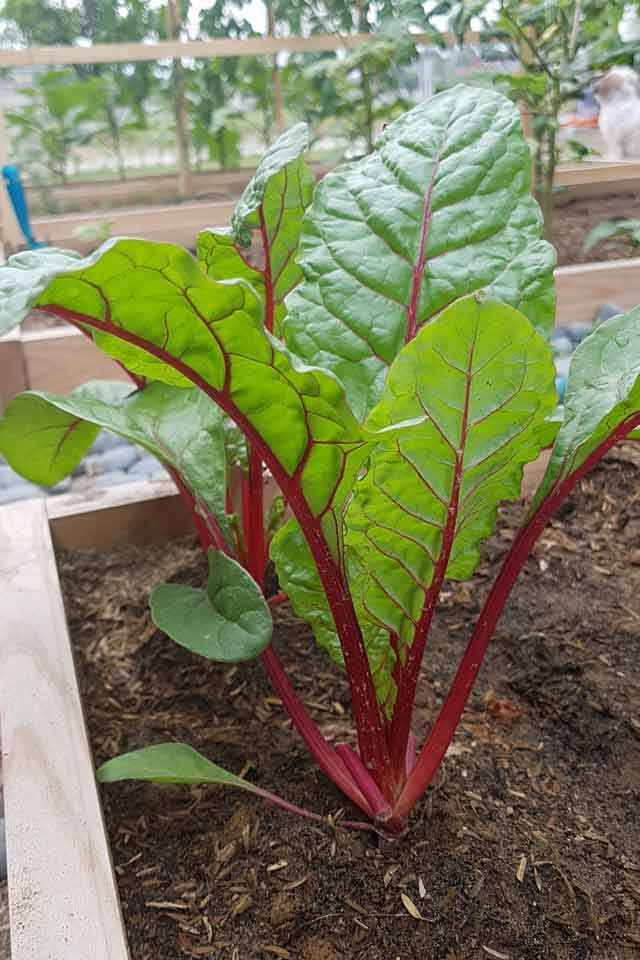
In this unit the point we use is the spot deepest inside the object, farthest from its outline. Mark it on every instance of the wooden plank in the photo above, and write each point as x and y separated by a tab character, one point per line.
584	287
63	899
137	513
596	171
178	223
13	372
61	358
219	47
104	195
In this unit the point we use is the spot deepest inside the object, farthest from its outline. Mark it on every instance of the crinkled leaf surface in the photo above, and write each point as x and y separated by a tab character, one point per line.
441	209
168	763
273	202
483	381
603	390
151	307
44	436
24	275
228	622
298	577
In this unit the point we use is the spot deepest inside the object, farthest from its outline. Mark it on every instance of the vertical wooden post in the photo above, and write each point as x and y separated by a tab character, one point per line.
13	368
527	57
180	105
276	79
9	229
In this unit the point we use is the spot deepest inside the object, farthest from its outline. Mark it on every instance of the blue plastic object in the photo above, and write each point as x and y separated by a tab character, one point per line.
13	183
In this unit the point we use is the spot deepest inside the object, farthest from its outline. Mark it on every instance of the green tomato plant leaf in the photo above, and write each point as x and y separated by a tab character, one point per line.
603	392
441	208
272	204
229	621
44	436
482	380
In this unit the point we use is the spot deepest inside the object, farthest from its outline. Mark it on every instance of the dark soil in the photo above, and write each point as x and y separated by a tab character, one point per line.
574	219
527	846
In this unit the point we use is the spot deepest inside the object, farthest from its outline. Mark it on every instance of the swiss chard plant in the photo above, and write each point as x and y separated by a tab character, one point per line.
413	385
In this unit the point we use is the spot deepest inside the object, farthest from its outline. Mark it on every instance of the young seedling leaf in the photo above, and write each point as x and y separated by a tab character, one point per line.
273	203
440	209
168	763
603	391
179	763
229	621
482	379
44	436
24	275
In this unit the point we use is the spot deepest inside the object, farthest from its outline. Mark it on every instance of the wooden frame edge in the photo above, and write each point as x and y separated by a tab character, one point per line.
63	898
136	513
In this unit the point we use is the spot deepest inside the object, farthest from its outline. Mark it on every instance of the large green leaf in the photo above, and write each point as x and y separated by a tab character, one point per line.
44	436
150	306
24	275
603	390
169	763
273	202
441	209
298	577
482	380
228	622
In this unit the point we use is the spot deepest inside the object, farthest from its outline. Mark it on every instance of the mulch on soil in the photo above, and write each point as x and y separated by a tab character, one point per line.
573	220
527	846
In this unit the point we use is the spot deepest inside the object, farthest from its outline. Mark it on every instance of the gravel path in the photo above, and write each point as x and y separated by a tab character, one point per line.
110	462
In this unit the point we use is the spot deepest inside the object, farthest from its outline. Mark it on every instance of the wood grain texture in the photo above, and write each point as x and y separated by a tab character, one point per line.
134	513
63	899
60	359
178	223
220	47
13	372
583	288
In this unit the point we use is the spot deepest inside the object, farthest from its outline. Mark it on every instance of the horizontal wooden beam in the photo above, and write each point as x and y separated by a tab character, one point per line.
196	49
596	172
177	223
138	513
63	901
61	358
583	288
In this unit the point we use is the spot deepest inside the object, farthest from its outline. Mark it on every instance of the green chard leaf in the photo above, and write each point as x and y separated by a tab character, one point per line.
482	380
603	391
169	763
149	306
441	208
298	577
273	203
24	275
44	436
228	622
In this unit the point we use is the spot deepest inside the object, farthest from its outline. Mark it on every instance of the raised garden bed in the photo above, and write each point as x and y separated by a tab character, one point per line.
525	848
60	358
